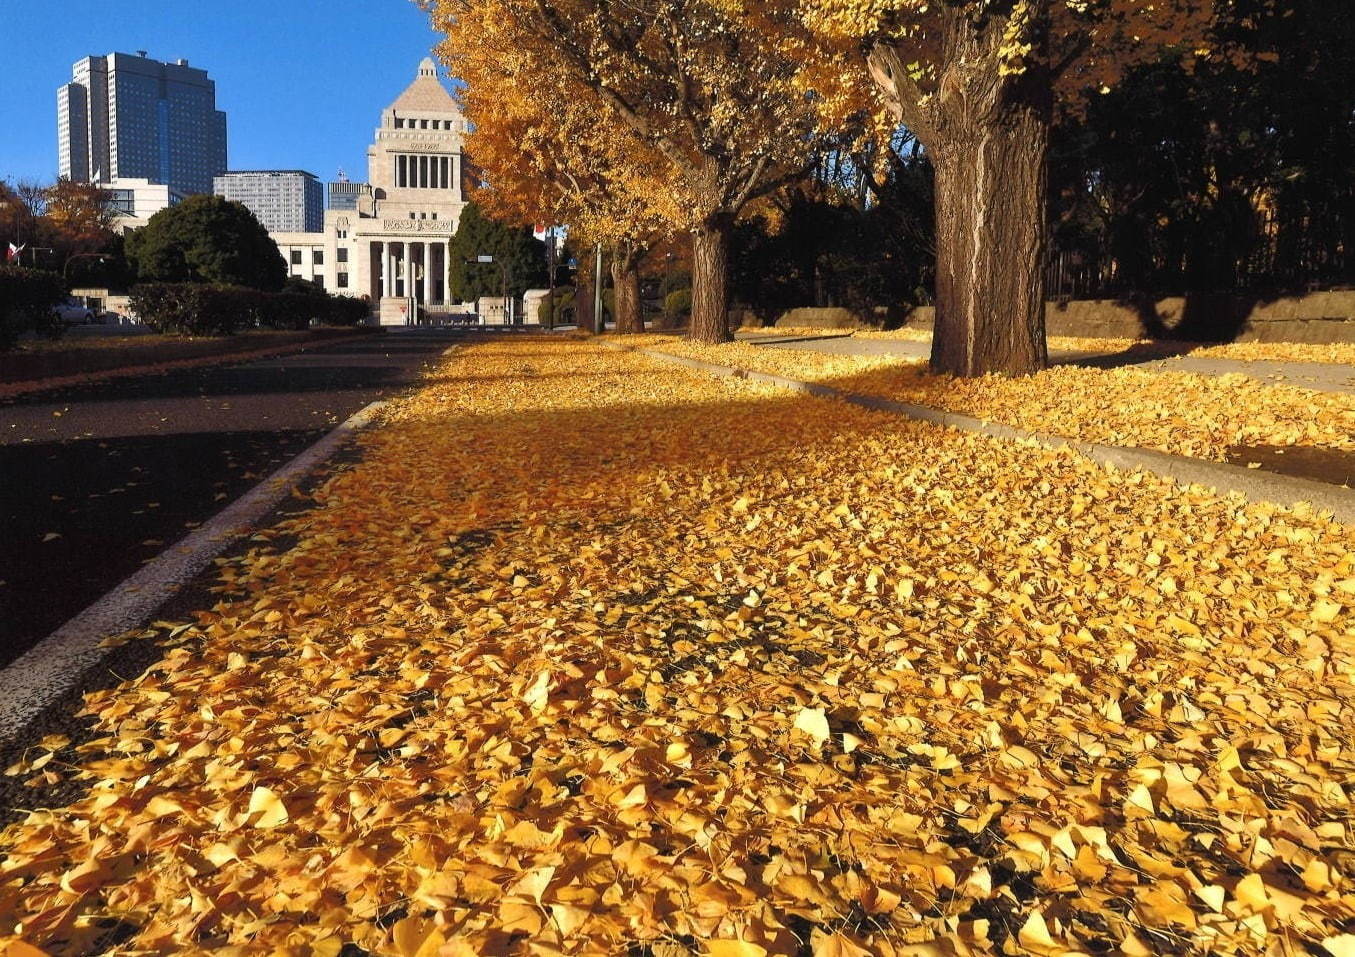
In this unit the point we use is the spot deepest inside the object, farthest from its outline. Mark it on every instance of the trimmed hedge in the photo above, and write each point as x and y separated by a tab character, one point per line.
195	309
28	299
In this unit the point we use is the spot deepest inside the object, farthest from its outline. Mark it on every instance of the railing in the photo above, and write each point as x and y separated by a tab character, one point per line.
1300	255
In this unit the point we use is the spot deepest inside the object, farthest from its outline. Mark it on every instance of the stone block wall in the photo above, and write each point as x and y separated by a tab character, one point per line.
1320	317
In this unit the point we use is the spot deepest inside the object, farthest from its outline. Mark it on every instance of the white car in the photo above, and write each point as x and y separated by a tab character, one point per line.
74	311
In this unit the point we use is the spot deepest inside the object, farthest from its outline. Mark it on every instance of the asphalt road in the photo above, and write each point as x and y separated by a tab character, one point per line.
97	479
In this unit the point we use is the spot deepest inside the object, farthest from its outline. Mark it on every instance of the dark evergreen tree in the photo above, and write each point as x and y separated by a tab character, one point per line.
513	247
207	239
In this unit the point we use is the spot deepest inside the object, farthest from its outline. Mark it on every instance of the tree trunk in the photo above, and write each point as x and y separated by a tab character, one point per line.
987	132
629	315
583	299
990	249
710	281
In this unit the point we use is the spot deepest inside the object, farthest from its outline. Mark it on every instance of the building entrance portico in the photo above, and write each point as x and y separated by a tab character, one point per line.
410	269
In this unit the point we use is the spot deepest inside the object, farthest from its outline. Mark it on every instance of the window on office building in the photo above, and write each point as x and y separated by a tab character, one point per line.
341	280
342	254
319	258
296	257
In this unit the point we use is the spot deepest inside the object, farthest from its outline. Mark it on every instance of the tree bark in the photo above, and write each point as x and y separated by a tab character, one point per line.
629	314
988	136
710	281
583	299
990	255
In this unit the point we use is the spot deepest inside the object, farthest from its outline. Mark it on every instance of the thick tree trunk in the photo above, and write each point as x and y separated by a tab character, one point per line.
629	314
990	248
990	251
710	281
987	132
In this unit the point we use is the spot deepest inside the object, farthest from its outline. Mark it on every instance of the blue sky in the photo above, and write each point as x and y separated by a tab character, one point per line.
303	82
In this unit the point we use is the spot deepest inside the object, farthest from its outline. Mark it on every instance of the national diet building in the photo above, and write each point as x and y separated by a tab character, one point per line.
393	247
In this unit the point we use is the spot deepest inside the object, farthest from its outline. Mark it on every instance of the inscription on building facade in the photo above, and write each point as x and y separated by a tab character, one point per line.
429	226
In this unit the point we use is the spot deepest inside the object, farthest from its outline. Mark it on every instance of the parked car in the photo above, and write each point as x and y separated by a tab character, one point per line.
72	310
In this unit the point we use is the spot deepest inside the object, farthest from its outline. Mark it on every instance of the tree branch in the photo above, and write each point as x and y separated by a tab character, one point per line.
907	97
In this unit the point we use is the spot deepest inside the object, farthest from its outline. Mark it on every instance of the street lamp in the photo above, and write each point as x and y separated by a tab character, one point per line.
66	269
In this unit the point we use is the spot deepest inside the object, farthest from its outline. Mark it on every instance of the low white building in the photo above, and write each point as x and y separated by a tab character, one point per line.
394	247
135	201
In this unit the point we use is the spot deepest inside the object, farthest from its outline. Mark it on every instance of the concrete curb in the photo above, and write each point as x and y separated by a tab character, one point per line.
1252	484
58	663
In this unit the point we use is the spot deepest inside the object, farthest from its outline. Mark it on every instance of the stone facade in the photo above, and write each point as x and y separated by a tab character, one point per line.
394	244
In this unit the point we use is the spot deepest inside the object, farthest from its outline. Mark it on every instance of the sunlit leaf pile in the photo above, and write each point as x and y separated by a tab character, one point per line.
588	653
1183	413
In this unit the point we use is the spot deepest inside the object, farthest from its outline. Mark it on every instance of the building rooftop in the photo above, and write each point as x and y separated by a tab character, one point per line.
426	93
243	172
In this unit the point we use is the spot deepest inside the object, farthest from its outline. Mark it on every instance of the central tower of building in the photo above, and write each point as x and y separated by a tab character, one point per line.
391	243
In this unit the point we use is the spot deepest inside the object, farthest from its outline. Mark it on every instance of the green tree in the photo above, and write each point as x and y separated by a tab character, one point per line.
207	239
512	246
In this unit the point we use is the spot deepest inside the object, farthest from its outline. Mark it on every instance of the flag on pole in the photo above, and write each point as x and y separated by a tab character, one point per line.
13	255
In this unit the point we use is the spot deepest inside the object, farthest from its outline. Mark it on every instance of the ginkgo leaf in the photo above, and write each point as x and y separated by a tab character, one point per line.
813	722
496	679
1034	933
734	948
266	809
1340	945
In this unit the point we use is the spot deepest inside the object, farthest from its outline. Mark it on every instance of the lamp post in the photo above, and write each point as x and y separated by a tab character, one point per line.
66	269
599	320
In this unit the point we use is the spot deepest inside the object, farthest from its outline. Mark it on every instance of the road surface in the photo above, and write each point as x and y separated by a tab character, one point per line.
99	478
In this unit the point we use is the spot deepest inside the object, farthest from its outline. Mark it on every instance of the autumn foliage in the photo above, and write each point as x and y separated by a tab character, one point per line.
699	105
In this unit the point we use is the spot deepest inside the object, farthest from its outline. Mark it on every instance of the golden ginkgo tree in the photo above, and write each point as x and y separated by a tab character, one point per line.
547	156
710	90
978	82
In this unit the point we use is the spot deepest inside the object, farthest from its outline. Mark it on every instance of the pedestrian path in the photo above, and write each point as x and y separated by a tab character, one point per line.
1318	376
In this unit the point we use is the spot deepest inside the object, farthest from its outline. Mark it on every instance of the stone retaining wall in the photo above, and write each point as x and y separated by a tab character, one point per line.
1320	317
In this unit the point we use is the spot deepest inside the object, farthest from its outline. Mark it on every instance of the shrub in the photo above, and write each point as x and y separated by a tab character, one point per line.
673	282
564	307
195	309
347	311
677	304
27	301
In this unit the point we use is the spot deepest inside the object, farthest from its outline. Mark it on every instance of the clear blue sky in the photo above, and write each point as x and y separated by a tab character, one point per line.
303	82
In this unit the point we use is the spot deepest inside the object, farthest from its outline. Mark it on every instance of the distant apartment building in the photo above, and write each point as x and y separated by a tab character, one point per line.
348	196
130	117
284	200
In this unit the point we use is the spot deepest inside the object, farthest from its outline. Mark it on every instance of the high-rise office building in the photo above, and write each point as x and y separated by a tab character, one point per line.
284	200
347	196
130	117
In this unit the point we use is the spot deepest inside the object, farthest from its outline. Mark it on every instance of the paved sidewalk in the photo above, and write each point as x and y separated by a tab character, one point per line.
1318	376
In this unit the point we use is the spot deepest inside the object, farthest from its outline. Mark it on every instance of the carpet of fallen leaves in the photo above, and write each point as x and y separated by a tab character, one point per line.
1337	353
591	654
1182	413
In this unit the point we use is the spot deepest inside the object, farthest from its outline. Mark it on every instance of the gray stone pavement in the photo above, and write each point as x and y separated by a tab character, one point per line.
1320	377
